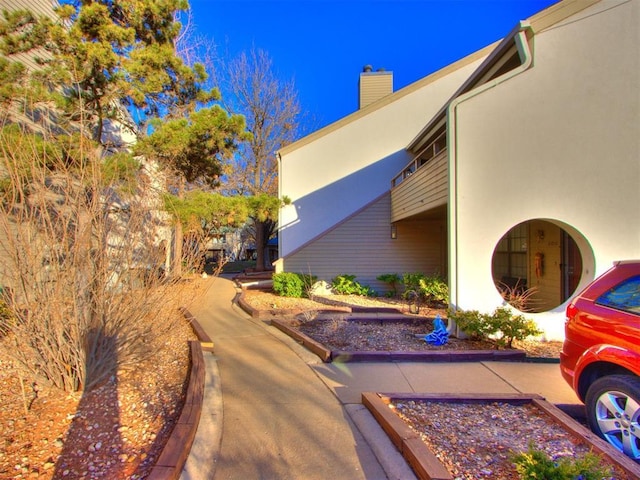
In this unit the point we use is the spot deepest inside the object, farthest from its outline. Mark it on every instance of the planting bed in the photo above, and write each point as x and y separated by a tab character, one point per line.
473	436
325	325
341	338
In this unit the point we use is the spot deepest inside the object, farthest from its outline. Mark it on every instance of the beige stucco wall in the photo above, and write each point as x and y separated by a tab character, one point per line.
336	171
560	142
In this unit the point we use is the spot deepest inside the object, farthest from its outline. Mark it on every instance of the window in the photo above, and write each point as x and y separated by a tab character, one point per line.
624	296
510	258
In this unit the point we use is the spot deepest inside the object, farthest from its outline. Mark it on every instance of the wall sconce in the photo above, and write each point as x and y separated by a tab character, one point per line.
540	235
394	231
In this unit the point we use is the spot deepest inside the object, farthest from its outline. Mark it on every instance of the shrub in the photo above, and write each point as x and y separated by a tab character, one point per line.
391	279
501	326
432	290
83	258
347	285
512	327
288	284
411	282
308	281
536	464
471	322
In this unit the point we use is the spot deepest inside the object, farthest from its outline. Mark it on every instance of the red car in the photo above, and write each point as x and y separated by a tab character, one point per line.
600	357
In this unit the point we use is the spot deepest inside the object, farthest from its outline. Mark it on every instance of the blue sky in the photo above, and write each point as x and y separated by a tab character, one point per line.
323	44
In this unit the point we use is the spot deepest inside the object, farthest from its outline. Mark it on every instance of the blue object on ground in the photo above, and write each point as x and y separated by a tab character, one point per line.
439	336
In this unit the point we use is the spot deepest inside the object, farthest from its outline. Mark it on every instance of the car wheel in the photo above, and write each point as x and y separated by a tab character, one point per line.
613	412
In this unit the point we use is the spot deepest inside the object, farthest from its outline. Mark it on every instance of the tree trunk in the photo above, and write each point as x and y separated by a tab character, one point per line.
176	268
260	245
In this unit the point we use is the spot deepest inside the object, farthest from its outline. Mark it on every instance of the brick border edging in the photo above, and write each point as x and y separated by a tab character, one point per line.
427	466
174	455
433	356
175	452
205	341
259	314
309	343
266	314
329	356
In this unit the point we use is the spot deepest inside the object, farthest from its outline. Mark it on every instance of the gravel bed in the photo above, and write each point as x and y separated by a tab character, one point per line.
477	440
337	333
381	335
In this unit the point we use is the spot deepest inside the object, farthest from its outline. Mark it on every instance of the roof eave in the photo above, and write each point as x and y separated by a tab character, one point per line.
358	114
502	48
536	23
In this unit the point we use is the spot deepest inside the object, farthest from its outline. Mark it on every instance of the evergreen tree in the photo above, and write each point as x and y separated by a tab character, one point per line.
87	261
102	55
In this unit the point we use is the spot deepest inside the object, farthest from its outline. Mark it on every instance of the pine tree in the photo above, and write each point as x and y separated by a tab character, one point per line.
84	257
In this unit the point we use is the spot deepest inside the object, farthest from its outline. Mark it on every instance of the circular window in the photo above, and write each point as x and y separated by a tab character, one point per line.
536	266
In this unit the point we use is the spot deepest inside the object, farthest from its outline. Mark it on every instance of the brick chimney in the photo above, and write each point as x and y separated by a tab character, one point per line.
374	85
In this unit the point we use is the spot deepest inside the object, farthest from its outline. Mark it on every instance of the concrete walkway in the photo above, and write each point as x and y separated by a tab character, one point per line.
279	420
286	415
349	380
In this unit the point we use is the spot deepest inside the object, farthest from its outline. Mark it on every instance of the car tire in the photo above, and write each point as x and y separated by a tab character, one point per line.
613	412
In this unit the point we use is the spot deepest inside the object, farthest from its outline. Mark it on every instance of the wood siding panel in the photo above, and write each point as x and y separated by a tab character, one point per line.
426	189
374	86
39	8
362	246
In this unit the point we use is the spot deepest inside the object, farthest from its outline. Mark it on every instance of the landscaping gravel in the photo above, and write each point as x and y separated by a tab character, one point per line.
477	440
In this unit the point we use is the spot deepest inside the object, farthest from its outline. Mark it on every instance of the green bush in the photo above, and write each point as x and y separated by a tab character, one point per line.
536	465
347	285
288	284
411	282
501	326
391	279
432	290
513	327
471	322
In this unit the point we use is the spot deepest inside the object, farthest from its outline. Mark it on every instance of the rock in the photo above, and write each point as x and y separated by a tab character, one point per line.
321	288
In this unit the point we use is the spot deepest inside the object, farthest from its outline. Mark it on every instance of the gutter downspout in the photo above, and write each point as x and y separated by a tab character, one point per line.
277	264
524	51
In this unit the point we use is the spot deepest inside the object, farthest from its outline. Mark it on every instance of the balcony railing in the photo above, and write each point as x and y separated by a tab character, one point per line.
432	150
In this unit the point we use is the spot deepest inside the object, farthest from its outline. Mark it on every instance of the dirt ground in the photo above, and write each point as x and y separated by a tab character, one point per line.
115	431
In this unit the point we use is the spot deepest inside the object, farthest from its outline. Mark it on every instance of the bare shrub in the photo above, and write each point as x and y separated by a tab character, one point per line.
307	316
336	324
83	266
218	265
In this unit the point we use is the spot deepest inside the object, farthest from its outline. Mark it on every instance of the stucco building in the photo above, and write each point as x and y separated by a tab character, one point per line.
518	166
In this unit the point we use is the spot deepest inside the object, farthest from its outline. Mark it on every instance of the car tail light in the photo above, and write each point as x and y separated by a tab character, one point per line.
572	310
